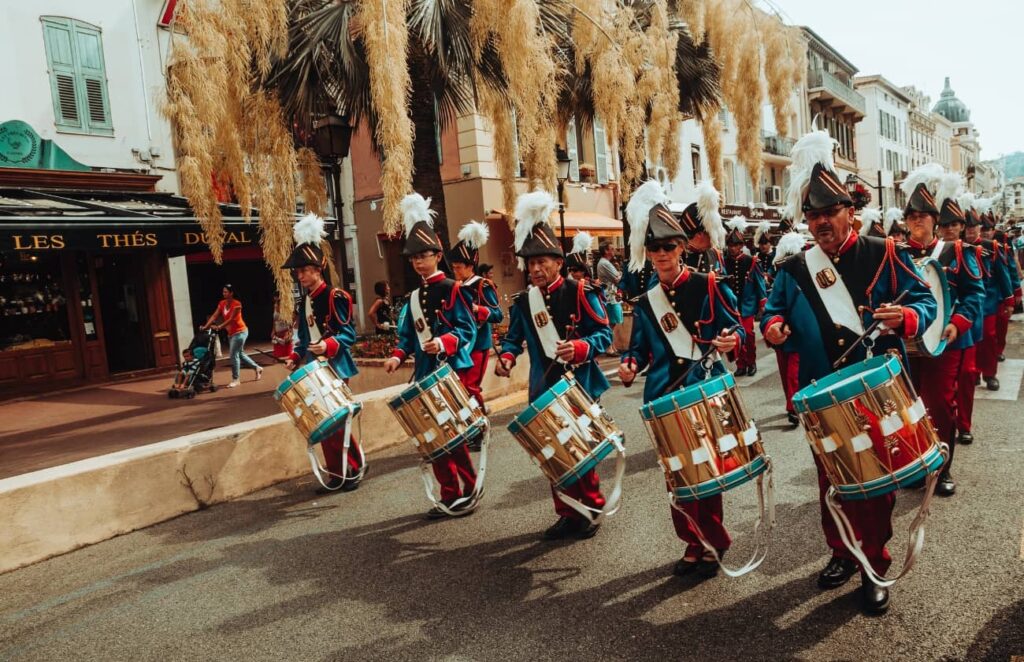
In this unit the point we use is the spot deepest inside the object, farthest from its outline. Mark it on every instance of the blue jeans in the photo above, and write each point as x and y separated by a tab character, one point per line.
236	347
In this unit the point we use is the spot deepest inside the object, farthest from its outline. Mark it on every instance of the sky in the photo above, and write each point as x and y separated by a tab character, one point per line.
979	44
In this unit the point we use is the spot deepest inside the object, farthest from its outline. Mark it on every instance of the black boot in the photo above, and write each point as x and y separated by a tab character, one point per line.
945	487
1001	358
563	528
752	370
991	383
874	599
836	573
793	419
684	567
966	438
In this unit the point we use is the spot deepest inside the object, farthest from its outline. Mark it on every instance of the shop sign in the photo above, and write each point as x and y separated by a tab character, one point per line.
751	213
107	238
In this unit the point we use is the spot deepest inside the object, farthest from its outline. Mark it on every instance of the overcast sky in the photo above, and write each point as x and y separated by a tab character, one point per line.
979	44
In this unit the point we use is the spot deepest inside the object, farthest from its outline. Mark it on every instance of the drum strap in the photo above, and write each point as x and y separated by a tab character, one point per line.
611	505
679	338
311	321
319	471
547	332
419	322
472	499
939	245
834	295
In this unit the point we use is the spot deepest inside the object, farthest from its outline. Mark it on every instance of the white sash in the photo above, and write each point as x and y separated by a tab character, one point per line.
836	298
311	324
419	322
938	249
683	345
469	281
546	332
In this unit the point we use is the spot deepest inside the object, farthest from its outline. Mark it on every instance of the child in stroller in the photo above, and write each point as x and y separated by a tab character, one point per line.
196	374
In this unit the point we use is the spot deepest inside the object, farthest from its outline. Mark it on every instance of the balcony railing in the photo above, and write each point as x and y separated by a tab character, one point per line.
775	144
819	79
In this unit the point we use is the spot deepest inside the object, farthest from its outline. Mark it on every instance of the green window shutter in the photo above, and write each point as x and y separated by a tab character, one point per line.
64	81
78	79
93	77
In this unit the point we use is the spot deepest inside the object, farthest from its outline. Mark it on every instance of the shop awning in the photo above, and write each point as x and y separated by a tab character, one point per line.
598	225
59	219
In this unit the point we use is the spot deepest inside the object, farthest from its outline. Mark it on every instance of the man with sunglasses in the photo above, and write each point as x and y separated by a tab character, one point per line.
823	299
674	322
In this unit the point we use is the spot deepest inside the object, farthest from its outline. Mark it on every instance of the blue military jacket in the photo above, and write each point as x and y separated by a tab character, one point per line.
747	281
998	283
704	308
481	293
332	316
875	271
967	291
579	315
450	321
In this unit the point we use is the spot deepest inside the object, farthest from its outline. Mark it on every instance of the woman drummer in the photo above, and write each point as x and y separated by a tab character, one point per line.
701	305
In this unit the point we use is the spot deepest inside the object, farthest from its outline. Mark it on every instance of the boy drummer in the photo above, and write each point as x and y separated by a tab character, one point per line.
438	327
824	298
581	333
674	322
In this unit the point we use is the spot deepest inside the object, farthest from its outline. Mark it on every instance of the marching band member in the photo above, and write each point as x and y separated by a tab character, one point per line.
936	378
578	317
873	225
576	261
482	299
748	283
765	251
1003	320
787	354
998	290
325	328
703	252
673	322
438	326
823	299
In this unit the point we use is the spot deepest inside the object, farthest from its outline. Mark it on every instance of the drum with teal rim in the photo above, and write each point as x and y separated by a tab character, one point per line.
705	441
869	428
565	433
317	400
438	413
931	343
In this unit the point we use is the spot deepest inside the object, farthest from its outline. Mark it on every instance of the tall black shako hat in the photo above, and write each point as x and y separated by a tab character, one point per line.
703	215
921	188
761	233
737	228
533	234
872	225
966	203
418	219
650	220
472	237
949	187
814	183
577	257
308	233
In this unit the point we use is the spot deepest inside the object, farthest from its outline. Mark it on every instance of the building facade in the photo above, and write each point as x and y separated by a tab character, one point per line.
930	132
1011	203
883	138
965	145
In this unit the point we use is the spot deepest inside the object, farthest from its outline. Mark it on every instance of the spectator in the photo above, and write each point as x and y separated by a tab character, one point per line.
609	277
283	333
381	311
229	315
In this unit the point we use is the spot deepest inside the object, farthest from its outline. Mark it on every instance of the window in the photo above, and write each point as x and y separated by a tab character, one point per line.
695	162
572	147
601	152
78	78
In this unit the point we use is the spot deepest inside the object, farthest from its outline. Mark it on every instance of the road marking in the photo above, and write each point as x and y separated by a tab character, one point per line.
1011	372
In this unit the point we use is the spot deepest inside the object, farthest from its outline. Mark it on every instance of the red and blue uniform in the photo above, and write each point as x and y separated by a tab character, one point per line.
746	279
480	292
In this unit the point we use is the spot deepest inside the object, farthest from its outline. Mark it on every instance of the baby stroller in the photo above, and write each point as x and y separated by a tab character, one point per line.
196	374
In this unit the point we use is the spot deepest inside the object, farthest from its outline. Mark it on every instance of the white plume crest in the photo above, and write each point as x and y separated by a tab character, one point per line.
928	174
813	148
950	185
474	234
983	205
707	207
790	243
738	223
762	229
893	215
644	198
581	242
416	208
309	230
532	209
967	201
868	217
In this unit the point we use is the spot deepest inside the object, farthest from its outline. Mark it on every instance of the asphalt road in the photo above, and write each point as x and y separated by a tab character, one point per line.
285	574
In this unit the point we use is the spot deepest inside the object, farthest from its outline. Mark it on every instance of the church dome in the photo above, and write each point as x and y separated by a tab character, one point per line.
950	107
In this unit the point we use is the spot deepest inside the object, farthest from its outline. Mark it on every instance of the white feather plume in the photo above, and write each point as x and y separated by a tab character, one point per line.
581	242
928	174
983	205
532	209
762	229
790	243
707	207
644	198
416	208
474	234
893	215
868	217
950	184
738	222
967	201
813	148
309	230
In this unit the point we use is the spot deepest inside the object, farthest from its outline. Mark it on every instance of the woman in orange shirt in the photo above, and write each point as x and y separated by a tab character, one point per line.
229	312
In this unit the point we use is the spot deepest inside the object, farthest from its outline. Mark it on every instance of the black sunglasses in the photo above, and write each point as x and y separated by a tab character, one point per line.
667	246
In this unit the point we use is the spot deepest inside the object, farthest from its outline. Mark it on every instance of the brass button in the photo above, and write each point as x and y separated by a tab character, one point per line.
841	342
679	361
838	326
671	293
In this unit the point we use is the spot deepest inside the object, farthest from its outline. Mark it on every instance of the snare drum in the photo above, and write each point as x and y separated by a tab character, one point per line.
931	343
869	429
438	413
565	432
317	400
705	442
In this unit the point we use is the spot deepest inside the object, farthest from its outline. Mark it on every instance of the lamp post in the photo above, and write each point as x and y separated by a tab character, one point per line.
851	186
332	136
563	162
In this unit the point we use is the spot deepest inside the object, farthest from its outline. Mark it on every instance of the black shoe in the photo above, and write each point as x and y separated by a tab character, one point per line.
874	599
966	438
740	372
563	528
585	529
837	572
751	371
708	568
684	567
333	485
1001	358
793	419
991	383
437	513
945	487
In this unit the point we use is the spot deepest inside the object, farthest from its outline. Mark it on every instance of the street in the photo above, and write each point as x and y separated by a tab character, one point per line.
287	574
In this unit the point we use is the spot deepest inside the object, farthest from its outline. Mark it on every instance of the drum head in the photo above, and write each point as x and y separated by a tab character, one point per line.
932	339
689	396
847	383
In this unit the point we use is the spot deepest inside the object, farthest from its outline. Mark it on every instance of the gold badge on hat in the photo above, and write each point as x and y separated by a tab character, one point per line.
826	278
541	319
669	322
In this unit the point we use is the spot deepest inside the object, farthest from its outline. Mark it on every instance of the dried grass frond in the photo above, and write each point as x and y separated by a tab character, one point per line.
498	112
712	128
314	191
693	14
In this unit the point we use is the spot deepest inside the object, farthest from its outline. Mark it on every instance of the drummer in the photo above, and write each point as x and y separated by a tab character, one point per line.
817	297
936	378
748	284
482	299
703	250
583	333
702	315
438	327
787	354
325	328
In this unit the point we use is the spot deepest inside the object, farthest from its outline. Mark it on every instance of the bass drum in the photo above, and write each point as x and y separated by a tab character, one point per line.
931	343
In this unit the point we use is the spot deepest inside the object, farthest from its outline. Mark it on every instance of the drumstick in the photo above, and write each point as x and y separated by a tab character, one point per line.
700	361
867	332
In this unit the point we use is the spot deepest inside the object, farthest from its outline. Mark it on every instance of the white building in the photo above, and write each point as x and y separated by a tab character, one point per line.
931	134
965	147
1011	204
883	146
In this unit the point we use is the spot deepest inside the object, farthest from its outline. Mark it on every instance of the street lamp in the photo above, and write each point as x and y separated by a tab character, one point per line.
851	188
563	161
332	136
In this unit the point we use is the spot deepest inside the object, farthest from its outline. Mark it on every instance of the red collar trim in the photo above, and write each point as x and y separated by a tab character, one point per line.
914	244
851	239
557	283
683	276
318	290
436	277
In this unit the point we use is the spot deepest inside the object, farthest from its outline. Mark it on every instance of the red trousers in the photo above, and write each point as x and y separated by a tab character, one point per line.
587	490
871	519
789	373
707	513
965	390
333	448
450	468
746	354
988	349
473	376
936	380
1002	326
